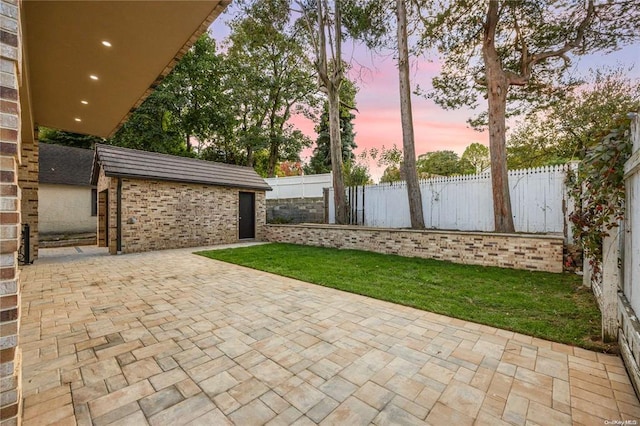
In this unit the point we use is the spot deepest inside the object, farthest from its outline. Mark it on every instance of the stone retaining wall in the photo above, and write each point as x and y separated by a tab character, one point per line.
516	251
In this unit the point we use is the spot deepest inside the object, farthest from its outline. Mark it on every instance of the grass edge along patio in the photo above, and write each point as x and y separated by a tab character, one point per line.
540	304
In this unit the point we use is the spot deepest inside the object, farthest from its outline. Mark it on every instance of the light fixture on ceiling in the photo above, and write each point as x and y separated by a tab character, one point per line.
78	119
105	43
83	102
93	77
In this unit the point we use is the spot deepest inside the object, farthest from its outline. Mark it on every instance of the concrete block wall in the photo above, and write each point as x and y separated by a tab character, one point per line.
296	210
516	251
10	204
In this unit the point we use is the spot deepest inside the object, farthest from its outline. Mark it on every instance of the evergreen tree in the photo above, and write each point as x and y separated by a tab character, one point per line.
320	161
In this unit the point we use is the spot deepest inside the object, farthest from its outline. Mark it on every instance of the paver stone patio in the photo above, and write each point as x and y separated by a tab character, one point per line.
169	337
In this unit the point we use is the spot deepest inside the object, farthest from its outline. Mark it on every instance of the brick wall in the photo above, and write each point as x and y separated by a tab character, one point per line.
102	224
28	181
516	251
10	199
160	215
107	214
296	210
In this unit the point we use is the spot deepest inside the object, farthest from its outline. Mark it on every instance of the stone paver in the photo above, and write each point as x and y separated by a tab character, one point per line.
171	338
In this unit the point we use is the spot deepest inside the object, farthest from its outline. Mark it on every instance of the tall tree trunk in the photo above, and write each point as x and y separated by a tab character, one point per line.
408	142
331	75
497	88
273	158
339	196
249	156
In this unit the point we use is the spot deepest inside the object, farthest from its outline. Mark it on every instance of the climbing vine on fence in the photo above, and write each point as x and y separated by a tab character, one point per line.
597	188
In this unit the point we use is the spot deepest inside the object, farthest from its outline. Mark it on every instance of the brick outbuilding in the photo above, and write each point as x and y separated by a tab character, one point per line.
151	201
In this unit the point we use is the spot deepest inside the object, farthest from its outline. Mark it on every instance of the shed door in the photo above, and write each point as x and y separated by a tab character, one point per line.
247	219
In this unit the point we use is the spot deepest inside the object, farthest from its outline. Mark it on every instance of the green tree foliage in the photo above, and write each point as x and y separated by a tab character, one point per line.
272	79
514	52
200	110
439	163
356	174
320	161
150	127
391	174
356	171
475	159
233	106
571	126
189	105
392	159
59	137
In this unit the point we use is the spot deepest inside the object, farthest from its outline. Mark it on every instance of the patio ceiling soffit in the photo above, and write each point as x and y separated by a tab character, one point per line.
91	63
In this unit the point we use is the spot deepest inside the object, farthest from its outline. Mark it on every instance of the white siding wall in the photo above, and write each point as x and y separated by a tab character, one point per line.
65	209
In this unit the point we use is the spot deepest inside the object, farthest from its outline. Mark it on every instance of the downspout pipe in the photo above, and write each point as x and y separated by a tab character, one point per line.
119	217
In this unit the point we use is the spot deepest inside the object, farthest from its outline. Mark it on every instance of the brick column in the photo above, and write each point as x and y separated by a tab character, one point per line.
10	56
28	182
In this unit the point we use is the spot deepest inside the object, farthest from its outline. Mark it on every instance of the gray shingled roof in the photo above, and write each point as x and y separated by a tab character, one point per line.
132	163
65	165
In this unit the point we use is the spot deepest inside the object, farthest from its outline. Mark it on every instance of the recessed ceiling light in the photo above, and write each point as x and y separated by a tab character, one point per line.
106	43
83	102
78	119
93	77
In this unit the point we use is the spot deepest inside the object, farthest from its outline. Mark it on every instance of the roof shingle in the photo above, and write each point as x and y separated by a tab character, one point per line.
132	163
65	165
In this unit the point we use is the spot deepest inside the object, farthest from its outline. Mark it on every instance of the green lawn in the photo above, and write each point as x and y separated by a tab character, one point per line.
541	304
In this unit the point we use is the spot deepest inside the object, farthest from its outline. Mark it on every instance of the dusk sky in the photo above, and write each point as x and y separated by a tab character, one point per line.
378	121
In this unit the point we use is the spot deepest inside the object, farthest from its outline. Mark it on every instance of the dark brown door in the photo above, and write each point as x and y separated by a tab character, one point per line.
247	219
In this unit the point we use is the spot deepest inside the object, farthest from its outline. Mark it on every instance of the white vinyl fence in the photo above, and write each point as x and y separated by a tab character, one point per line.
620	269
465	202
632	221
309	186
629	300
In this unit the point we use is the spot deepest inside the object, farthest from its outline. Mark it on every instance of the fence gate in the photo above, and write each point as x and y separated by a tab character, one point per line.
356	201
